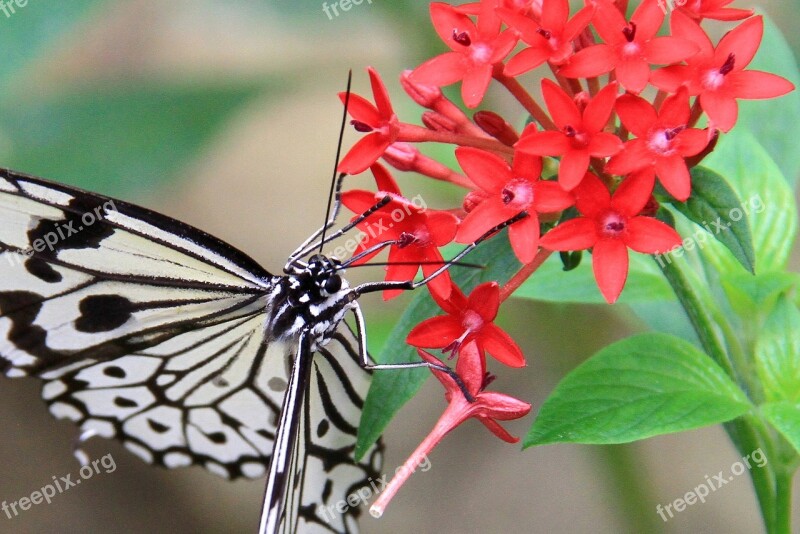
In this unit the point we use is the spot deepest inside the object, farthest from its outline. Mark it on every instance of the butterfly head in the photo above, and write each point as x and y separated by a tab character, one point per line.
324	272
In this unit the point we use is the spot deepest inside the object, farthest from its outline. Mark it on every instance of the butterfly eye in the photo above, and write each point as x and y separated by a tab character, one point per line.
333	284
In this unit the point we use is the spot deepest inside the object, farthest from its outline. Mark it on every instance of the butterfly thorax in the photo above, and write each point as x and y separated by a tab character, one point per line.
313	298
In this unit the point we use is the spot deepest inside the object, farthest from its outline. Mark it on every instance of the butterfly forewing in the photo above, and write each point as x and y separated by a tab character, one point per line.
153	332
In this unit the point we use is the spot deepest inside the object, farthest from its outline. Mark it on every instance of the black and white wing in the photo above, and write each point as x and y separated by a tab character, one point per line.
325	481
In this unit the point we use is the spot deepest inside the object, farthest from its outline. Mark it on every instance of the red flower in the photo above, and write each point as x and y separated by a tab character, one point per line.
416	231
580	135
718	75
663	141
713	9
475	50
549	39
379	119
509	190
630	47
467	320
610	225
488	407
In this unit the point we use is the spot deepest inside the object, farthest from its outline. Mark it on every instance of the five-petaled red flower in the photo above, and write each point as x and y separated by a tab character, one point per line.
663	141
549	37
580	135
718	75
609	226
508	191
468	319
629	48
413	233
475	50
378	119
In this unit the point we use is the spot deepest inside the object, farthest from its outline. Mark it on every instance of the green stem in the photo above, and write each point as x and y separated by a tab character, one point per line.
783	504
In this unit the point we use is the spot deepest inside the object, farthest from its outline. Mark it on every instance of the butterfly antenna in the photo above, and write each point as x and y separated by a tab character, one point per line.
338	155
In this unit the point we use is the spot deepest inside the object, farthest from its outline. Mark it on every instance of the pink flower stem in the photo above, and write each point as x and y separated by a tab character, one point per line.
594	85
412	133
697	112
527	101
524	273
659	99
465	126
443	426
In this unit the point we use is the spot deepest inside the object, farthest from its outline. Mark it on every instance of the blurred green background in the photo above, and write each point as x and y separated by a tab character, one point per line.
224	115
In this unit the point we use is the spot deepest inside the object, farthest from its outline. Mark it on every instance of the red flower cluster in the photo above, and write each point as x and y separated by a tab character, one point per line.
580	176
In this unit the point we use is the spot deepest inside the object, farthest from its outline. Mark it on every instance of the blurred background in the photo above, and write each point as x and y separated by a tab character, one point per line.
224	114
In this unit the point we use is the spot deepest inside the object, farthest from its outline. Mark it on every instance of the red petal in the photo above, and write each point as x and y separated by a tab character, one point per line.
578	23
526	60
526	165
435	333
609	22
674	176
495	428
721	109
633	74
666	50
742	42
554	14
381	94
599	109
441	70
755	84
574	234
549	197
610	266
727	14
634	156
442	226
503	45
633	193
525	26
454	304
690	142
675	109
604	145
483	218
485	300
441	285
384	180
446	20
447	381
669	79
592	197
524	237
684	27
362	109
589	62
476	82
486	170
358	201
562	108
364	153
547	143
637	114
651	236
648	18
500	406
471	366
501	346
573	166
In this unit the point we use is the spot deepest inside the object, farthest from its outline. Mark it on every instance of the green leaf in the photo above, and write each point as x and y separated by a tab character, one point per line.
116	139
639	387
391	389
772	121
755	294
777	353
718	212
765	195
552	284
785	417
31	29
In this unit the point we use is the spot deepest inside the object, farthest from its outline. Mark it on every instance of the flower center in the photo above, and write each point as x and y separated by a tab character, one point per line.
481	53
661	140
471	321
517	194
544	33
461	38
728	65
714	78
613	225
578	138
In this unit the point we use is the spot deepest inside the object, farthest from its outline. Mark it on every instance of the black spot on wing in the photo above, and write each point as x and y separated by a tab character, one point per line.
42	270
218	437
114	372
80	228
157	427
103	313
122	402
323	427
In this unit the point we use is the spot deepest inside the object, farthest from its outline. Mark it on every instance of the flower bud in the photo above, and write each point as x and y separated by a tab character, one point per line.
423	94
